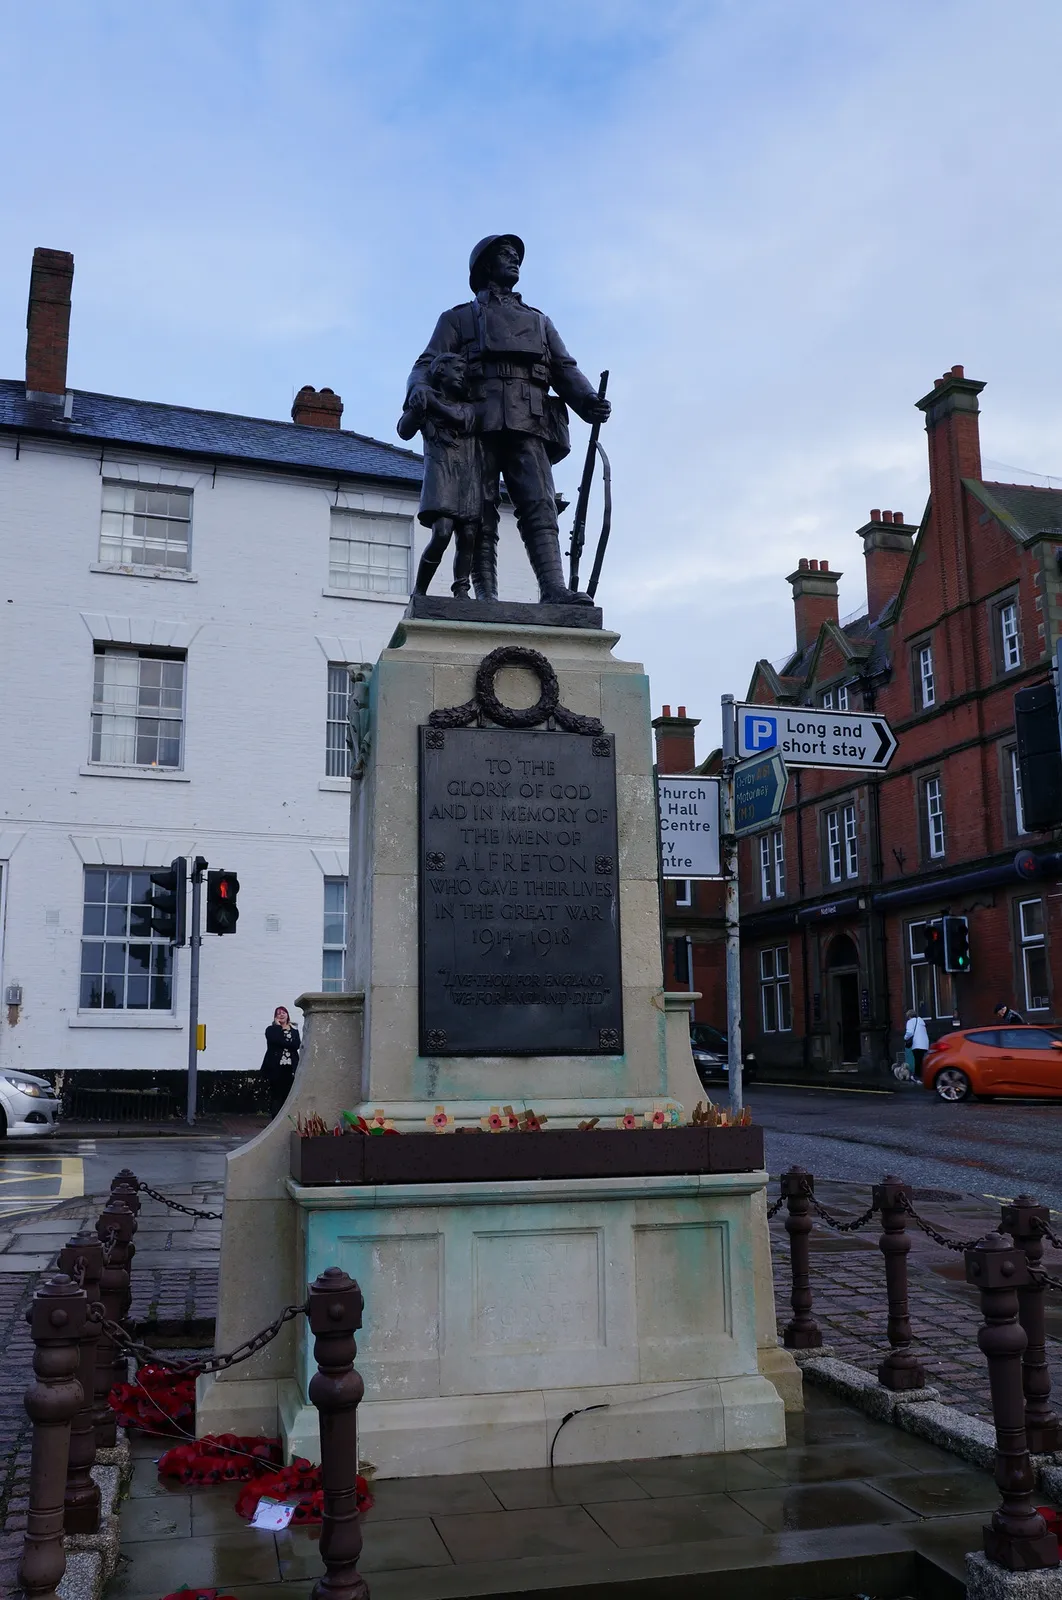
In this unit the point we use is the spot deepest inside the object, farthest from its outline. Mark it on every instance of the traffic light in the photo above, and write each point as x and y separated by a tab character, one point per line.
933	943
956	942
167	899
1036	723
222	912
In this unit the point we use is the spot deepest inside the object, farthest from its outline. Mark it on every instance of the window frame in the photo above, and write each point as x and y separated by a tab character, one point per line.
135	712
331	983
940	987
925	681
1032	945
850	822
933	822
776	995
391	589
337	748
162	963
841	842
683	894
1001	639
832	836
111	559
1011	754
778	835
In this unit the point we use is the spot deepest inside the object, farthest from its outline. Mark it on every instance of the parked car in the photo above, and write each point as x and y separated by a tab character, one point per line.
710	1053
29	1106
991	1061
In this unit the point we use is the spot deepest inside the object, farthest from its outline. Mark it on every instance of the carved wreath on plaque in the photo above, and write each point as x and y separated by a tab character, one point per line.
485	702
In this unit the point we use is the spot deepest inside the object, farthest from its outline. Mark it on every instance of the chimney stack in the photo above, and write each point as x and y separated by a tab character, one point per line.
951	413
887	546
313	408
48	324
676	744
814	598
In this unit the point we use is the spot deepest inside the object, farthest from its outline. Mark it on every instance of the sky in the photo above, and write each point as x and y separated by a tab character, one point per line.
773	221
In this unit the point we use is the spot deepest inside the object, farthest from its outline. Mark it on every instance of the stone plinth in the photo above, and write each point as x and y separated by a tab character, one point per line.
430	666
491	1311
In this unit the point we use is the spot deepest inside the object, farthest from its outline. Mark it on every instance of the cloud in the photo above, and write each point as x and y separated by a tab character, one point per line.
774	224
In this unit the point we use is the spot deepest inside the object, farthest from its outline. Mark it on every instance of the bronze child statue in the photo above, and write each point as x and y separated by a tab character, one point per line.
451	497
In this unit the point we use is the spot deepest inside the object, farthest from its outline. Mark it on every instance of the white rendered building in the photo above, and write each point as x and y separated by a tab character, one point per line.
181	592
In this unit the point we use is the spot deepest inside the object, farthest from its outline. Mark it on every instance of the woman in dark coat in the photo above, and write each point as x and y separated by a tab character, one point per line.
281	1057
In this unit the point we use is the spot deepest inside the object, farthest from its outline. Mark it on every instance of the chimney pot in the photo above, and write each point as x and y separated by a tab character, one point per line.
937	382
803	563
316	409
682	711
886	516
667	711
48	322
875	516
957	372
814	599
897	516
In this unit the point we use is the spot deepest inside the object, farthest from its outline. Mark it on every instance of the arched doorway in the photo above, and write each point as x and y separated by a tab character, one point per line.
842	963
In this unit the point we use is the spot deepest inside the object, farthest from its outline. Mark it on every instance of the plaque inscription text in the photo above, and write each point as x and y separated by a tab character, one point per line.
519	909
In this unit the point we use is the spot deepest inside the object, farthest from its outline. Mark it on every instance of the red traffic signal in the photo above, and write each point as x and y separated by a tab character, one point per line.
222	912
933	943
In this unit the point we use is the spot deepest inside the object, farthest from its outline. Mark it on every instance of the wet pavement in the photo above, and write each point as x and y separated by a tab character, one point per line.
845	1490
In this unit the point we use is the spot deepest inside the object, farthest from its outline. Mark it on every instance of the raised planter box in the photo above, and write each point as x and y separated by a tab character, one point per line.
492	1157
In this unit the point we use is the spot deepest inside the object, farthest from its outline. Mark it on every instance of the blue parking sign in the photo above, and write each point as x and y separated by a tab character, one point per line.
759	731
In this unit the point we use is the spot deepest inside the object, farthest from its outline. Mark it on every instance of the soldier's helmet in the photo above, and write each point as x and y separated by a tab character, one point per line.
477	276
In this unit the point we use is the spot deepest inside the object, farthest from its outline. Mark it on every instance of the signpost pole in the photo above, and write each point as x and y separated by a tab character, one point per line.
195	939
733	906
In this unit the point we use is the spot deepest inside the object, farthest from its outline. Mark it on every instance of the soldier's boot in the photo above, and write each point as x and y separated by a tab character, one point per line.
426	570
485	563
543	551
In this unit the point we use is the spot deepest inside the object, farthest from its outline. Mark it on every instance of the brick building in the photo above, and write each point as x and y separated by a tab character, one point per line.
963	610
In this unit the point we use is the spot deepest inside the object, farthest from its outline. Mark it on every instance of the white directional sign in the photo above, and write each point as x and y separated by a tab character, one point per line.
689	827
808	736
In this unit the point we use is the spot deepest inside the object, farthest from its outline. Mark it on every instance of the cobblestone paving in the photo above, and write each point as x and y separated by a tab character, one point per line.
848	1287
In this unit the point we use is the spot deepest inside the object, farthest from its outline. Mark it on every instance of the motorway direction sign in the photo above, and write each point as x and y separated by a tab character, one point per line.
759	790
807	736
689	827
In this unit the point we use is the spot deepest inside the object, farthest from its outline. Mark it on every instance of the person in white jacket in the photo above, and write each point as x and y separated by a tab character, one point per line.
916	1039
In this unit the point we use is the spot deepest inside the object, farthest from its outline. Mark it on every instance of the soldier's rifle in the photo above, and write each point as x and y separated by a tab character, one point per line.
583	501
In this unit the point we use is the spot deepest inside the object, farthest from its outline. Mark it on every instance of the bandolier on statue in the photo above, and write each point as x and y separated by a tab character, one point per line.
514	357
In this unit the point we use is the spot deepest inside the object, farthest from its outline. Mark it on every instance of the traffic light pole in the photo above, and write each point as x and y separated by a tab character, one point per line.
195	939
733	906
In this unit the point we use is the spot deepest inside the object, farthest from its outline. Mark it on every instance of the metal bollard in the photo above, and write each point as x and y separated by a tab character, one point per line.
802	1331
57	1319
1021	1220
336	1389
81	1505
111	1365
901	1368
1017	1537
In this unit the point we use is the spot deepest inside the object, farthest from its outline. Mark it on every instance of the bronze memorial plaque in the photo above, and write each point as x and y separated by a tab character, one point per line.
519	909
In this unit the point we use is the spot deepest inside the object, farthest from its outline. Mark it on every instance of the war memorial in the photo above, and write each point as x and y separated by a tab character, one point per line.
600	1263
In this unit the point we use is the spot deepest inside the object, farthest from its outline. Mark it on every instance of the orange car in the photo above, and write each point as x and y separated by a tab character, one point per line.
991	1061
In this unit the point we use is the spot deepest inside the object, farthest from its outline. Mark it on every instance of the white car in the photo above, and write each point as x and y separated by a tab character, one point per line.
28	1105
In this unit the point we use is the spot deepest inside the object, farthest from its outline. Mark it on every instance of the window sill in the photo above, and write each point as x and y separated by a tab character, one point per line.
165	573
366	594
153	774
164	1020
335	785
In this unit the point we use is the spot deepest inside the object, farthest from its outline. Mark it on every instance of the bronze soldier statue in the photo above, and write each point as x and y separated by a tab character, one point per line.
514	356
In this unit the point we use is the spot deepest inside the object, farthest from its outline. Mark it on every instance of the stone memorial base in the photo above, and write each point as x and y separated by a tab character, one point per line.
492	1311
505	949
